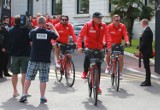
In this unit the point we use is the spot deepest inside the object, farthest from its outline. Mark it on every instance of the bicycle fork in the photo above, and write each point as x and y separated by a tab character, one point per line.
93	75
114	66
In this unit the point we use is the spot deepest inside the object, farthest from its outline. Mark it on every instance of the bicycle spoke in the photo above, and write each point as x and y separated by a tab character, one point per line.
96	85
59	73
117	77
70	72
112	74
90	83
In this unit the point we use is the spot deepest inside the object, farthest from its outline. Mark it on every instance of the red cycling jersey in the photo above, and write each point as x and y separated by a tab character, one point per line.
116	33
55	21
48	20
34	23
64	32
94	36
12	21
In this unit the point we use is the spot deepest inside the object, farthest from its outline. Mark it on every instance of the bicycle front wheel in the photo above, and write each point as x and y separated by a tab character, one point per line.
69	72
90	73
112	73
95	85
59	73
117	76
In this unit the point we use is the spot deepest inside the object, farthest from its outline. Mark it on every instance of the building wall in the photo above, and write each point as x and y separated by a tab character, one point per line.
69	7
100	6
137	29
40	6
18	7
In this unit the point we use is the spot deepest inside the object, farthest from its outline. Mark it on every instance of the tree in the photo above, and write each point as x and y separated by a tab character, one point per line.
129	10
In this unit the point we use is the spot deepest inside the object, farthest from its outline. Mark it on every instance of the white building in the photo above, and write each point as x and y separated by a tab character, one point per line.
79	11
73	8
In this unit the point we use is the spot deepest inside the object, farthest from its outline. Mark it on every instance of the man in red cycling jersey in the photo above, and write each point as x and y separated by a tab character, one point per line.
65	29
93	34
116	31
56	20
34	21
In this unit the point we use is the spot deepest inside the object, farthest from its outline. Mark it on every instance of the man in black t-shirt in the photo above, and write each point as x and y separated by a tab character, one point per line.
17	44
40	57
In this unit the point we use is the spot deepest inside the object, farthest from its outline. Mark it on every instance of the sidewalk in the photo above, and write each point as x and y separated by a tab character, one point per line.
131	62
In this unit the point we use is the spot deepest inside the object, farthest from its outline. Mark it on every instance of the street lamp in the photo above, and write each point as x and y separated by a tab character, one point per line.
157	38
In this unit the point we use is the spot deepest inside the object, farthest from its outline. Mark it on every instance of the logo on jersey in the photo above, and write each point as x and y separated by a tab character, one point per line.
112	32
41	36
61	31
120	29
92	31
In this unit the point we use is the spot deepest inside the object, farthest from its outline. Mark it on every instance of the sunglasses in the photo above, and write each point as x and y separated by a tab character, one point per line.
64	19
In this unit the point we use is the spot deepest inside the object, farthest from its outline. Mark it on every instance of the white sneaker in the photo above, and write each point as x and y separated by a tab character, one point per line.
121	77
107	69
57	65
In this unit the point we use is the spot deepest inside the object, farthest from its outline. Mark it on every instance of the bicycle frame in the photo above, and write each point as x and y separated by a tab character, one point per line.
66	65
93	76
117	50
114	59
91	70
63	59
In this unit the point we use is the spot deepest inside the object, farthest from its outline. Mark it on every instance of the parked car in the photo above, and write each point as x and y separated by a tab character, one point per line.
77	29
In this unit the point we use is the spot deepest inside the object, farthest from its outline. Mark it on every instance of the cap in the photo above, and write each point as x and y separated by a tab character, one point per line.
97	15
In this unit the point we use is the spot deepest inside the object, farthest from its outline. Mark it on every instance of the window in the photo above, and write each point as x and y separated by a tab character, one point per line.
56	7
111	6
30	7
82	6
151	4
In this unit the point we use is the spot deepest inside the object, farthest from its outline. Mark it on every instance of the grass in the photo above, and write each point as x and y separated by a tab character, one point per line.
133	48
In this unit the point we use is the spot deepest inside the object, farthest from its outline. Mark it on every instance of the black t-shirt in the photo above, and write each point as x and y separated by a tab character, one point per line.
41	44
18	41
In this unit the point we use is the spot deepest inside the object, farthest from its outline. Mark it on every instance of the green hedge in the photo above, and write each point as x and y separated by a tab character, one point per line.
133	48
135	43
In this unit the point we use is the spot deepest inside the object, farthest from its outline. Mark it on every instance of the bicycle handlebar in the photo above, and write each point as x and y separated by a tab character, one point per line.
66	48
94	55
61	44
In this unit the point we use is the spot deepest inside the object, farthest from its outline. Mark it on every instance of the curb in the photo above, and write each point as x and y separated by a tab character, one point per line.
157	76
131	55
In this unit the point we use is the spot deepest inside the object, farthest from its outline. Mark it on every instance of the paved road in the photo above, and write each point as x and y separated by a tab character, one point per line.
60	97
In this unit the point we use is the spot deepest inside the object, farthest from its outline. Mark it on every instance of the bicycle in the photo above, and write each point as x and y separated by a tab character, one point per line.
66	64
115	65
93	73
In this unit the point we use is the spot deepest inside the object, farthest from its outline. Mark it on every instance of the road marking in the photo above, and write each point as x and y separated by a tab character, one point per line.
134	70
126	76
